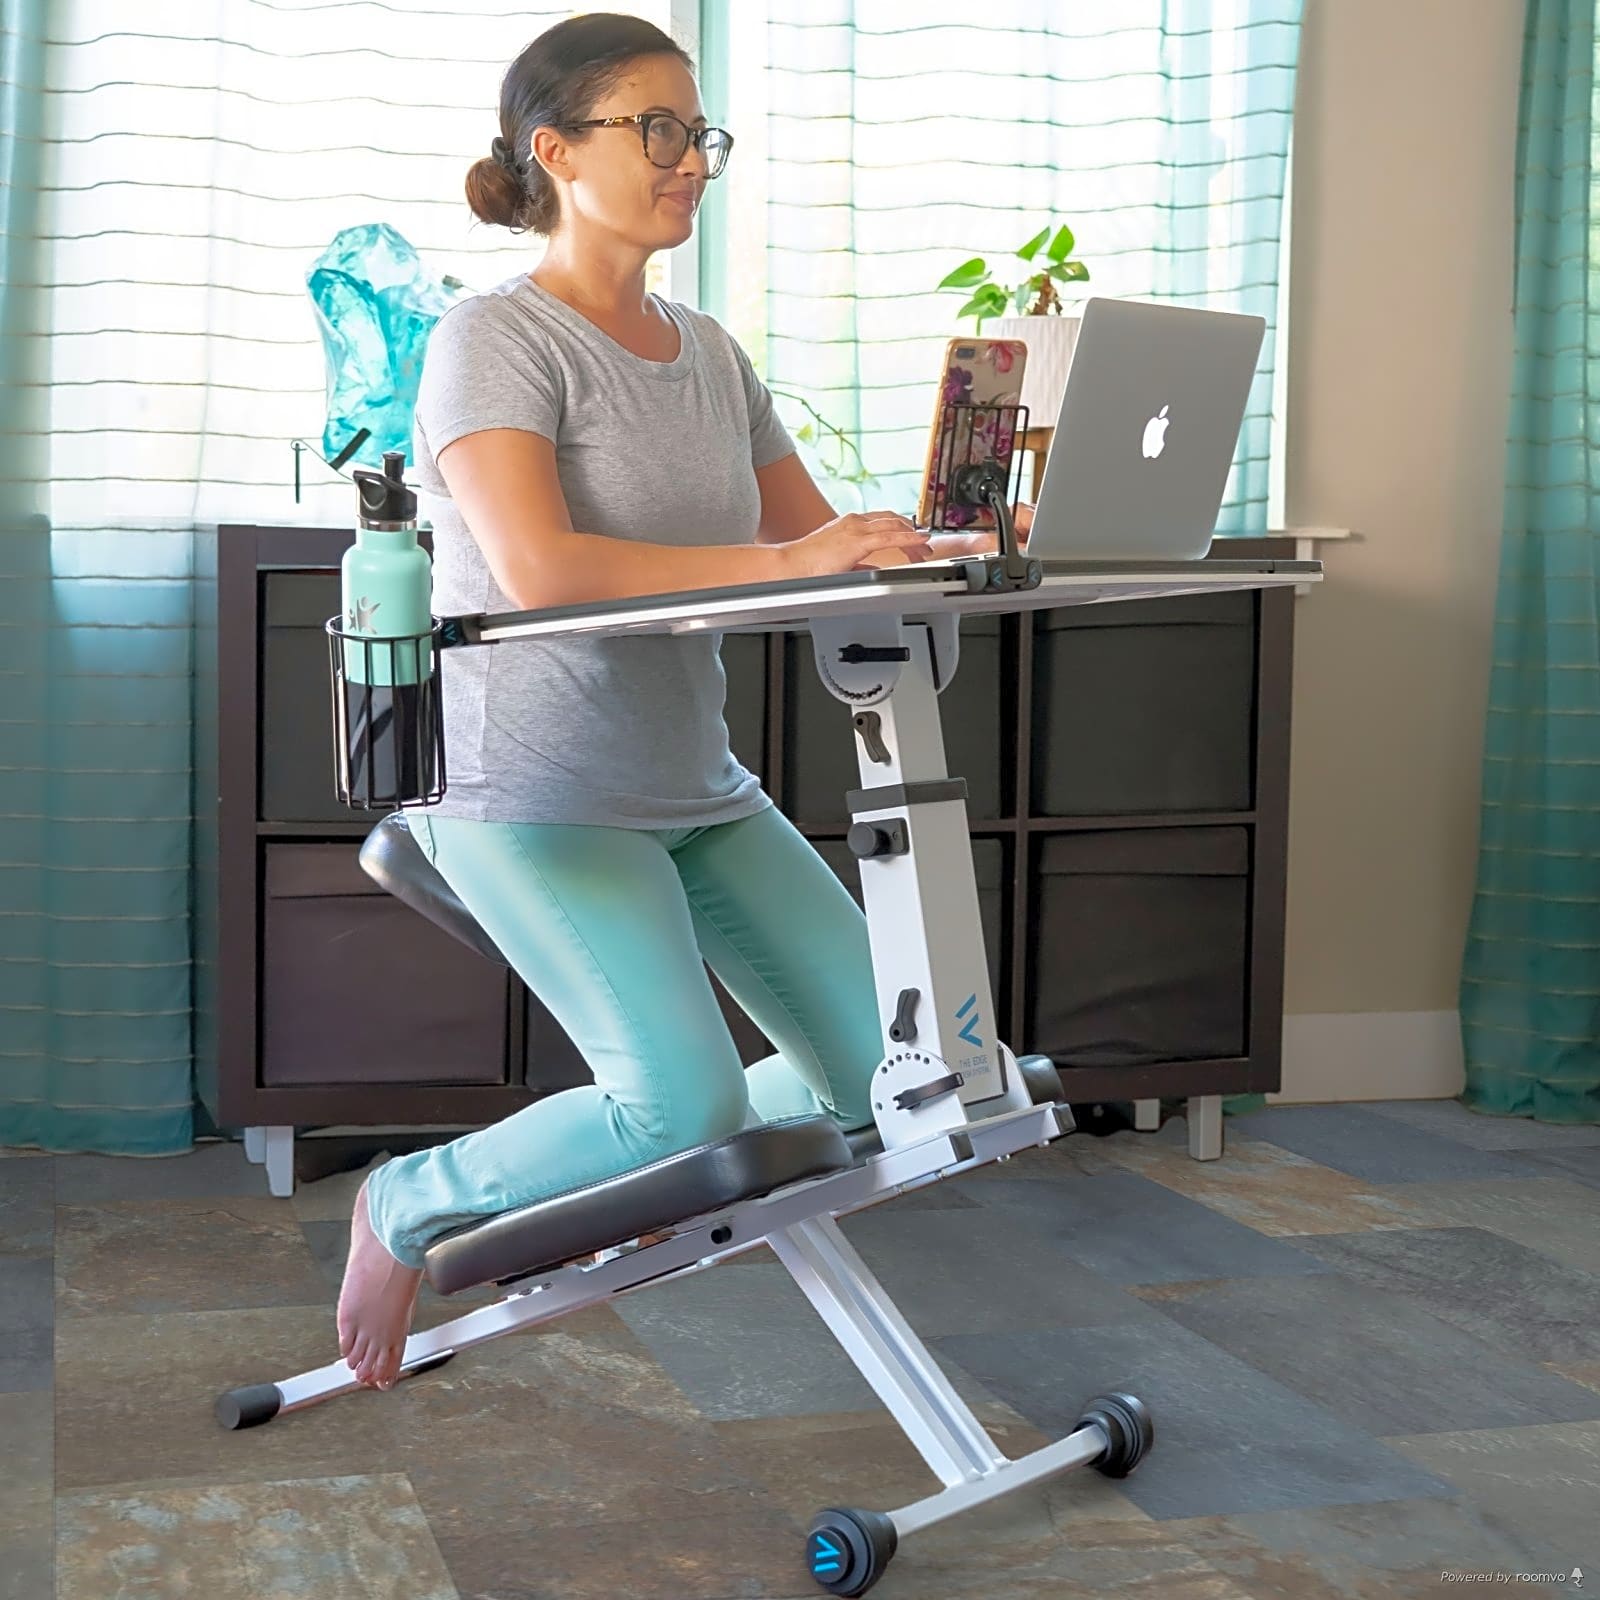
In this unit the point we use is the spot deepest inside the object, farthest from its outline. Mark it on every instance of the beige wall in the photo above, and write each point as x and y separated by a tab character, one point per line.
1400	359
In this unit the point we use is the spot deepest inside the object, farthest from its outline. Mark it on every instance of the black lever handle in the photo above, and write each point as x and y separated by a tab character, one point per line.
853	654
910	1099
904	1026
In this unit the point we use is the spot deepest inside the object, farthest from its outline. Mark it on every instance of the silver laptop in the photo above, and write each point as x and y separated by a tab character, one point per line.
1149	423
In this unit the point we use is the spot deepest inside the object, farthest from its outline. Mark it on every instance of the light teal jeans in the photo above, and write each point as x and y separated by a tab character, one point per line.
612	929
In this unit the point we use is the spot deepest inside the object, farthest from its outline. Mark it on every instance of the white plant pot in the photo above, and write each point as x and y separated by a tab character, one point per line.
1050	340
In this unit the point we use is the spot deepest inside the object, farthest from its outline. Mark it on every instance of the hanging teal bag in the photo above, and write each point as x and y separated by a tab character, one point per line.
376	305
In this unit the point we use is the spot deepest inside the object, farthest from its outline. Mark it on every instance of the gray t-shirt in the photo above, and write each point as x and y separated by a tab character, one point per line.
625	732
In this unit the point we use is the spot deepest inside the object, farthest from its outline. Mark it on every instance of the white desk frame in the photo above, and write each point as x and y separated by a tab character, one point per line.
922	901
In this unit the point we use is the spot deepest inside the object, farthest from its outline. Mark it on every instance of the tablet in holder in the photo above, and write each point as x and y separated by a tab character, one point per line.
975	421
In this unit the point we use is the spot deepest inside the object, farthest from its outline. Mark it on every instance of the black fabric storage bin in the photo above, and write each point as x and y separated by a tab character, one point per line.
1140	946
296	732
359	988
821	744
988	867
1144	706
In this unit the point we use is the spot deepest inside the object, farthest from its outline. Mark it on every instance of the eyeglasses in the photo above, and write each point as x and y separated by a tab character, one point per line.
666	137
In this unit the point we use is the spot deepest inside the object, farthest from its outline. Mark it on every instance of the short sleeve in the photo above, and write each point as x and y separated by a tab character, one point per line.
483	369
769	439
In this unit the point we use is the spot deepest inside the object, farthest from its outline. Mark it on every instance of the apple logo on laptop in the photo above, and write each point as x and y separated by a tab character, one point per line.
1155	434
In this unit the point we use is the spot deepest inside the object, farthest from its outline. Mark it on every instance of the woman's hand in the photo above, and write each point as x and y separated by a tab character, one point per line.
986	542
857	539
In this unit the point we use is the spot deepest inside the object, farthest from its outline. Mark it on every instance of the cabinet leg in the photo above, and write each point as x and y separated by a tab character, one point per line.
1146	1116
1205	1127
273	1148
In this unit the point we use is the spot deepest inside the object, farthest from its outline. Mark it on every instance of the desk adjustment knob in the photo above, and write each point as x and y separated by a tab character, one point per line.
869	839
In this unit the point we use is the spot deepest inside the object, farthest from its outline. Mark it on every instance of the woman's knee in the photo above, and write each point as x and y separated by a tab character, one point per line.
714	1110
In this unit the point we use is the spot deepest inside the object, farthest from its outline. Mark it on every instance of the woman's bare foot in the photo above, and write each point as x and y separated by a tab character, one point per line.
376	1304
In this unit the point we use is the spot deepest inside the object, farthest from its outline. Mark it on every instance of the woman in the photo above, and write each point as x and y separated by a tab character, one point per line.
579	439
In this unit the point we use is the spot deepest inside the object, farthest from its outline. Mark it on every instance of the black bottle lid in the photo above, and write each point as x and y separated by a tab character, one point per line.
384	495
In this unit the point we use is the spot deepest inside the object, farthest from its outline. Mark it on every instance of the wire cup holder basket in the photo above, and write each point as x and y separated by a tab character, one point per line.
388	718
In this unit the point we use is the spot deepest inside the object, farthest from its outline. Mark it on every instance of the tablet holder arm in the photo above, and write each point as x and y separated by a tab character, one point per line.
984	484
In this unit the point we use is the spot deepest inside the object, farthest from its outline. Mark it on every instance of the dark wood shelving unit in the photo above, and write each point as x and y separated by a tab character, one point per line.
1172	716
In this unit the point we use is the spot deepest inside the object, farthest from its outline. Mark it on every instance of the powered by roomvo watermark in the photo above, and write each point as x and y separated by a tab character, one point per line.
1574	1577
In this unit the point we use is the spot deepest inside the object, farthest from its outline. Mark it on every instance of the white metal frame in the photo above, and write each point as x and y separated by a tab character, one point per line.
925	933
798	1222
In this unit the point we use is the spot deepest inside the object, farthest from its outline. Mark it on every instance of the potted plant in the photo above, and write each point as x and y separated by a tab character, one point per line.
1031	310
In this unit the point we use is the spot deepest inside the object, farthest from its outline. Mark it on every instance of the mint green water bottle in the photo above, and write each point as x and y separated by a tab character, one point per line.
391	710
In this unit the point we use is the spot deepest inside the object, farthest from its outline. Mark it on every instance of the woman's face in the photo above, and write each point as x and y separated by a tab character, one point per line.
613	186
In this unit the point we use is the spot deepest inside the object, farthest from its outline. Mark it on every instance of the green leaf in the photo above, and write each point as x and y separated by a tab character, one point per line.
1062	244
806	433
1070	272
1024	293
966	275
990	300
1034	245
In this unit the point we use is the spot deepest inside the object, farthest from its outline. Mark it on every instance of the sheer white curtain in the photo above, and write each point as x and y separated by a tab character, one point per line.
200	156
899	140
169	170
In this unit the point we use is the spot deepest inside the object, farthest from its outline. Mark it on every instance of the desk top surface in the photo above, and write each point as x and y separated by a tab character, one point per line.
920	590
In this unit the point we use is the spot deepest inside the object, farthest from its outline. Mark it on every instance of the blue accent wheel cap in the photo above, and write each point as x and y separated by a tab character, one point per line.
827	1554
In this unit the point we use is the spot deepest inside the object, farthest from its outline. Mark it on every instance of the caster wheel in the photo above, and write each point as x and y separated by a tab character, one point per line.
847	1551
1127	1424
248	1407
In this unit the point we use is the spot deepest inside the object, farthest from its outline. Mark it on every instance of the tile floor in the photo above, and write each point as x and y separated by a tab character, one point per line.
1370	1337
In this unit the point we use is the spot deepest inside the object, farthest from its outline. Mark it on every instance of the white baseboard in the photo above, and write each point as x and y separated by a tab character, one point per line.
1370	1055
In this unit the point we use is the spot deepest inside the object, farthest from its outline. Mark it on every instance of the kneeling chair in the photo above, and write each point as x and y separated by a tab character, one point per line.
782	1182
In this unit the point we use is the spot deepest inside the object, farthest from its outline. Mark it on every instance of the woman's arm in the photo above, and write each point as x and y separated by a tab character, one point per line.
505	484
791	503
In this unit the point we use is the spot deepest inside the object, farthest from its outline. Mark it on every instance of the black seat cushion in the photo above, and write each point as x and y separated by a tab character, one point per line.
393	859
535	1238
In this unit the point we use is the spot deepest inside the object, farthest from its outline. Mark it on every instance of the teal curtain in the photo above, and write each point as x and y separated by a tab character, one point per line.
1530	988
903	140
94	733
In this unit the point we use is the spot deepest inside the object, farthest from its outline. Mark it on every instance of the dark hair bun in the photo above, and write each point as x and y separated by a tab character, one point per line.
495	193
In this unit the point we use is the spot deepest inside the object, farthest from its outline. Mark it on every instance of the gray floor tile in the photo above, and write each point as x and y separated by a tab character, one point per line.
1375	1359
1228	1438
209	1169
354	1537
744	1342
1537	1487
1554	1215
27	1207
1130	1230
1498	1291
1581	1164
27	1324
28	1566
1381	1149
1353	1550
1452	1120
978	1270
27	1478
